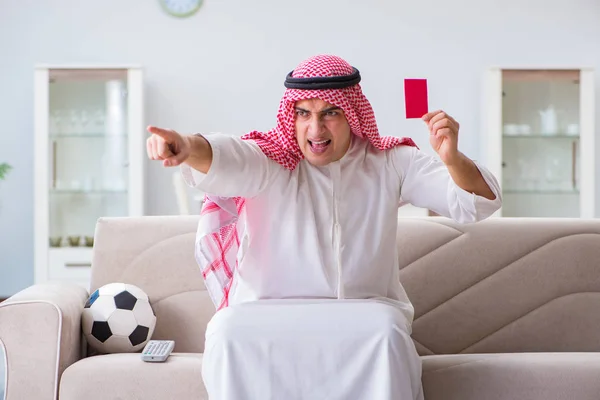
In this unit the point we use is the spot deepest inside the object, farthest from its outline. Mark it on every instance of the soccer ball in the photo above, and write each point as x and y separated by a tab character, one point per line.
118	318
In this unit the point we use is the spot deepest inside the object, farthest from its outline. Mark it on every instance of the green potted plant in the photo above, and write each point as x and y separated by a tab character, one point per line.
4	168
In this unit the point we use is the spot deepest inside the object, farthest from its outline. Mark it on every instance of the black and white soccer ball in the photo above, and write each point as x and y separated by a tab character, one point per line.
118	318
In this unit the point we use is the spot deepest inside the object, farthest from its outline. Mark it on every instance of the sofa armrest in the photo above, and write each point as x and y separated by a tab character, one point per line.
40	329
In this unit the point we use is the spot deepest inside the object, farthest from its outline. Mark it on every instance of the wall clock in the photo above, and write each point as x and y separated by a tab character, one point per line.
181	8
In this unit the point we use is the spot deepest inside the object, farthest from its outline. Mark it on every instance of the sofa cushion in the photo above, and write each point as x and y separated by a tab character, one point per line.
126	376
532	376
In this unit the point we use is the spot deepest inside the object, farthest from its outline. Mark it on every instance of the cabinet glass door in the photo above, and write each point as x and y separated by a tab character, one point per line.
88	152
541	143
3	371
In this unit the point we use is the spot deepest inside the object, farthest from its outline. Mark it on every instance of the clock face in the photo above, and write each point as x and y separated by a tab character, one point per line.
181	8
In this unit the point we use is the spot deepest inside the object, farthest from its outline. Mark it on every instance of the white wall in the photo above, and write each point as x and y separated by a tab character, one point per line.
223	69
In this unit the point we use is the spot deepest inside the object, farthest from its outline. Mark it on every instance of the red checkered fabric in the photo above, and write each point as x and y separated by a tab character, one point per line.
222	219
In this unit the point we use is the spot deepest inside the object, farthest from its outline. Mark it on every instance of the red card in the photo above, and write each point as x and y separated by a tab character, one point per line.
415	97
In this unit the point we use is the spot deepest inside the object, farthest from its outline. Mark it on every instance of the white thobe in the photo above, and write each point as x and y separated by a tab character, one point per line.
318	234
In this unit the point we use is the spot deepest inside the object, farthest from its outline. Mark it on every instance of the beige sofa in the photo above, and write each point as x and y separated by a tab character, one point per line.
505	309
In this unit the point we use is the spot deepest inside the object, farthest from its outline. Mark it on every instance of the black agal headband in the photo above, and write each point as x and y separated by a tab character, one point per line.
322	82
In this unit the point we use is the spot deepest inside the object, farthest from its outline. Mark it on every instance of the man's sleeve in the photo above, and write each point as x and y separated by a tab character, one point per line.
426	182
238	169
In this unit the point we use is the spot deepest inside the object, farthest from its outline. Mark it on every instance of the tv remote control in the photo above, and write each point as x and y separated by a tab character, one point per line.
157	350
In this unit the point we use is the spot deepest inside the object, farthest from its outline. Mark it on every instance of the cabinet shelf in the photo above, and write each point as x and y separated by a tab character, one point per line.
86	192
541	192
540	136
84	136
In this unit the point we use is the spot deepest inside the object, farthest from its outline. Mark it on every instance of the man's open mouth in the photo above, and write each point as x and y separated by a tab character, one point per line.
319	146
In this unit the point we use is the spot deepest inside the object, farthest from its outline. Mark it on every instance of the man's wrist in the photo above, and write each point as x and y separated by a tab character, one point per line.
458	160
200	152
197	145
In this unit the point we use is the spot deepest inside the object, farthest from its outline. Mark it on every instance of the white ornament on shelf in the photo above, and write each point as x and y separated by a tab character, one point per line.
181	8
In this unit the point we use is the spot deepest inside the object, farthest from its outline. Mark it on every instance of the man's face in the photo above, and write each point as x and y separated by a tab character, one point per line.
322	131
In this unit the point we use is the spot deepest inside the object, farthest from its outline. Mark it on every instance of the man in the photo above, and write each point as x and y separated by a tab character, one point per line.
297	241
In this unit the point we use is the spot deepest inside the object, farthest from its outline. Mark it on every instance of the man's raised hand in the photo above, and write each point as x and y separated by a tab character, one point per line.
168	146
443	135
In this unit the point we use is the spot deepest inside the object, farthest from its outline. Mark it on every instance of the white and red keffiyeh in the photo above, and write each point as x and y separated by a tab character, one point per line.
221	220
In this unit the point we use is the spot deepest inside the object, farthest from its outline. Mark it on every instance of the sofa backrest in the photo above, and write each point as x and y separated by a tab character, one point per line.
501	285
156	253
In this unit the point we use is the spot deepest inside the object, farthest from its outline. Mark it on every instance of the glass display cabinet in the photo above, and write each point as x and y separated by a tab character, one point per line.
89	157
3	372
538	136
